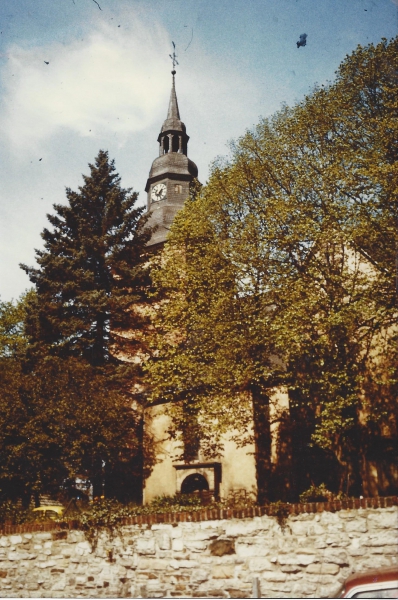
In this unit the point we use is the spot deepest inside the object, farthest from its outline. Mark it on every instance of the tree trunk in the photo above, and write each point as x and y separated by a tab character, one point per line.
262	440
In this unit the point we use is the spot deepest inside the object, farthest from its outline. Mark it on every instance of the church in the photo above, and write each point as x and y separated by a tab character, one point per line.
235	470
167	188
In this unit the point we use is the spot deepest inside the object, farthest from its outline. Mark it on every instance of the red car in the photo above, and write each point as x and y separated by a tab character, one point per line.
380	583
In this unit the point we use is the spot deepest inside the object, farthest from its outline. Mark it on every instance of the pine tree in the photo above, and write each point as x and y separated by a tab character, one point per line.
92	270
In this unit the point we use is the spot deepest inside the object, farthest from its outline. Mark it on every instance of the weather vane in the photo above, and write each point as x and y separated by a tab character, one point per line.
174	56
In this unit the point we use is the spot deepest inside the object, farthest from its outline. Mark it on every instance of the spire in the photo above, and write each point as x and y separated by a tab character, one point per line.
173	120
173	112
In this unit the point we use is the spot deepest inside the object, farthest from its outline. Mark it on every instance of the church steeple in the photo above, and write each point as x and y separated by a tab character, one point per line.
173	136
171	172
173	112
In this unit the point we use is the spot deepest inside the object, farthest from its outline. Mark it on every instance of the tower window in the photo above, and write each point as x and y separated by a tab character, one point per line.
165	144
175	144
178	188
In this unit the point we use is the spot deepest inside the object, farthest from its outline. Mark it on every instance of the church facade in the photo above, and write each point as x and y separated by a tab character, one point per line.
167	187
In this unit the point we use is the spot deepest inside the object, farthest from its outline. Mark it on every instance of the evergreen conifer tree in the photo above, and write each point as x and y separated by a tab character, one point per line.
91	275
92	270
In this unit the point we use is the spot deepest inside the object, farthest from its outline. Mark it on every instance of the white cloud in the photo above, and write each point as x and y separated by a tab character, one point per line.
113	81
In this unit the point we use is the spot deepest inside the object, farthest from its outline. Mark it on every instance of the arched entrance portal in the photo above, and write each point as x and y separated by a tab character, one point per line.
194	483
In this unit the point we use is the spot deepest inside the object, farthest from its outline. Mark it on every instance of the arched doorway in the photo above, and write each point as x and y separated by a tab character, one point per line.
194	483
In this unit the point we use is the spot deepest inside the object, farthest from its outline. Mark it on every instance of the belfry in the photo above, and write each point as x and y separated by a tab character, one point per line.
171	173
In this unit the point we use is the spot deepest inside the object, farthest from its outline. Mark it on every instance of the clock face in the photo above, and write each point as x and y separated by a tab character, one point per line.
158	192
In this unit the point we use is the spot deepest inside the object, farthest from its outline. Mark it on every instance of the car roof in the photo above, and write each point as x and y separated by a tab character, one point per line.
55	508
373	576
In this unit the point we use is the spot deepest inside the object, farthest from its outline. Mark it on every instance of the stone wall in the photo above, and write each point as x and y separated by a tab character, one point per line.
214	554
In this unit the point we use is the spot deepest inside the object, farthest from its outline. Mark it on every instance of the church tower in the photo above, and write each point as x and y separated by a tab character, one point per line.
171	173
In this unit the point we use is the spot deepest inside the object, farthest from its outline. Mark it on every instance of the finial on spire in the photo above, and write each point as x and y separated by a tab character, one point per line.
174	59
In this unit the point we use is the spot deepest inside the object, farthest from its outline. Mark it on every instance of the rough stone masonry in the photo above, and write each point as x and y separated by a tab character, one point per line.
305	555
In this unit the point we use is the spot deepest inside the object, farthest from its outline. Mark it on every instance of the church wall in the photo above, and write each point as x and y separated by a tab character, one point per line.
238	470
162	480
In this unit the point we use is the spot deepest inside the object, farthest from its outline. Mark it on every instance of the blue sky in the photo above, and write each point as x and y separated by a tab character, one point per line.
108	81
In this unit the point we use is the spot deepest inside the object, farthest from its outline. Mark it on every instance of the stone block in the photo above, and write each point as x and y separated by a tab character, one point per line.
323	569
83	548
296	559
145	545
184	564
338	557
373	562
386	550
223	571
355	550
200	575
276	576
260	564
241	528
303	589
238	592
177	544
338	539
247	550
18	556
222	547
385	538
4	541
156	564
195	545
303	528
176	532
384	519
59	586
32	586
290	568
329	591
163	540
75	537
46	564
42	535
15	539
357	526
129	562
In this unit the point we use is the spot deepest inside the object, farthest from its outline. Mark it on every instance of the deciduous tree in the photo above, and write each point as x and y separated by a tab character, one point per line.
271	279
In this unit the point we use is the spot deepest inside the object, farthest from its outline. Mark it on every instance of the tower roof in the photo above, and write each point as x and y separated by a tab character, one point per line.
173	121
173	112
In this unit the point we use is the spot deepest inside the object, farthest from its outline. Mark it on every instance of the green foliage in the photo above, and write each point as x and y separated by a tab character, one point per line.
102	516
61	421
317	493
14	514
12	326
176	503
